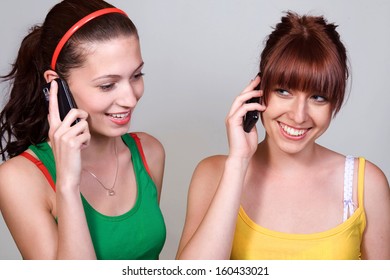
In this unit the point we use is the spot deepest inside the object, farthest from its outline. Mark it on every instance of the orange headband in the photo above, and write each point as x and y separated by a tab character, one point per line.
76	26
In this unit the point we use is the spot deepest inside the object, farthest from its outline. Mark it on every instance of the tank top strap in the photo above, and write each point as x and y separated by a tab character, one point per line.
134	143
41	167
349	206
45	154
362	164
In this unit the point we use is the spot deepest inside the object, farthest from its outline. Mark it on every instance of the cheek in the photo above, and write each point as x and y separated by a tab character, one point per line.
276	105
327	121
322	117
138	89
91	105
266	118
273	110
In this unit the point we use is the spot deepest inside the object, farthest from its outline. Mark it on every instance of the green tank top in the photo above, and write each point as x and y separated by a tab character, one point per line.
138	234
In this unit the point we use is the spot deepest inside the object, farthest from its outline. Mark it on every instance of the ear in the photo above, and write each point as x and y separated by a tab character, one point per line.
50	75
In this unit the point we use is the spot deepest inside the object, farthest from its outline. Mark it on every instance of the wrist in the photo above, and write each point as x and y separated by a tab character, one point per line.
237	162
67	187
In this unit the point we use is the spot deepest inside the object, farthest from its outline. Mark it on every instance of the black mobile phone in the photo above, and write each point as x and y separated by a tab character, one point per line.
251	117
64	96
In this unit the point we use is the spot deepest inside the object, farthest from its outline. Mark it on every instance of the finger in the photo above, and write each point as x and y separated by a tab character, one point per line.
80	132
73	115
248	107
54	114
243	98
68	129
236	119
76	136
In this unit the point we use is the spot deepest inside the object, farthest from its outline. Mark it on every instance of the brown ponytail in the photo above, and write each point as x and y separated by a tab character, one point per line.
23	121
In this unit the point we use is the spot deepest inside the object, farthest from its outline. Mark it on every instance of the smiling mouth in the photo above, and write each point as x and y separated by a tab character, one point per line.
119	116
294	132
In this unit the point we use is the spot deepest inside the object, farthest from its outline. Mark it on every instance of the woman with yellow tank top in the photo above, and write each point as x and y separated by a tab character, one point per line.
288	197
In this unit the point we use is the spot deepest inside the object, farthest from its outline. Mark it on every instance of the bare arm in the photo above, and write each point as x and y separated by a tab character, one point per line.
212	209
376	238
215	190
26	205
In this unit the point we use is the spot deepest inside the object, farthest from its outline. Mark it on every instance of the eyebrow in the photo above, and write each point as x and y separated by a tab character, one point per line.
114	76
139	67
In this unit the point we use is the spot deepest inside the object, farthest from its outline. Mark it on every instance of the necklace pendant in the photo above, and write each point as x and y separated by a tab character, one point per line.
111	192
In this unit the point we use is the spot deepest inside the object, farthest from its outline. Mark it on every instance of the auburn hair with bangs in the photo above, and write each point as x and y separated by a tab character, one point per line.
305	53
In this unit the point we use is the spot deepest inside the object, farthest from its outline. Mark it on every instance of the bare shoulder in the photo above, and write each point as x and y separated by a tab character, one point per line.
8	172
21	179
213	164
12	174
207	174
376	185
374	178
152	146
17	167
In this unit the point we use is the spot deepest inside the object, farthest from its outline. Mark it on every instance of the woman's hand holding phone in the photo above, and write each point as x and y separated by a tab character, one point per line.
251	117
67	138
243	144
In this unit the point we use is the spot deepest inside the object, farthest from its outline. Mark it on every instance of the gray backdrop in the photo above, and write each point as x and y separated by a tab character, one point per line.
200	54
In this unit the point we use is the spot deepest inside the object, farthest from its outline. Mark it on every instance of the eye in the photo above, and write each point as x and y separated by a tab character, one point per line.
319	98
106	87
137	76
282	92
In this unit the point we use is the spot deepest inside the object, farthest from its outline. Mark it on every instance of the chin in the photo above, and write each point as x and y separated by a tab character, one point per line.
296	147
120	132
292	150
117	132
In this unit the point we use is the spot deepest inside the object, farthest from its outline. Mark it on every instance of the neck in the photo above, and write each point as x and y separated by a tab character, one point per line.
98	149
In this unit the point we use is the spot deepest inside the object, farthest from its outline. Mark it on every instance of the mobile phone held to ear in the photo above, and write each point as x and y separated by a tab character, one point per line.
251	117
64	96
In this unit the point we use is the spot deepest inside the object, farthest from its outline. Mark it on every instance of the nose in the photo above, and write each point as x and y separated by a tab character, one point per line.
128	96
299	110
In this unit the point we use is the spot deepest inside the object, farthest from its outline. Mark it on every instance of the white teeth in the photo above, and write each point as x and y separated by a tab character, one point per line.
292	131
119	116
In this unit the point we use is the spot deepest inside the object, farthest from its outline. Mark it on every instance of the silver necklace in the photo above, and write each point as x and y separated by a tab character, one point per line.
110	191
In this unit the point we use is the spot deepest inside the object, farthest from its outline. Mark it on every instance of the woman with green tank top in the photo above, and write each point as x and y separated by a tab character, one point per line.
85	187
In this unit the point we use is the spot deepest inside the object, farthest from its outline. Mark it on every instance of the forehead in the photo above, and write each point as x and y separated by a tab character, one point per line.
117	53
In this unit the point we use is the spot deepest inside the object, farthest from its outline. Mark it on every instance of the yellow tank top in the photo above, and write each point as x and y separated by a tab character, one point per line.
252	241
